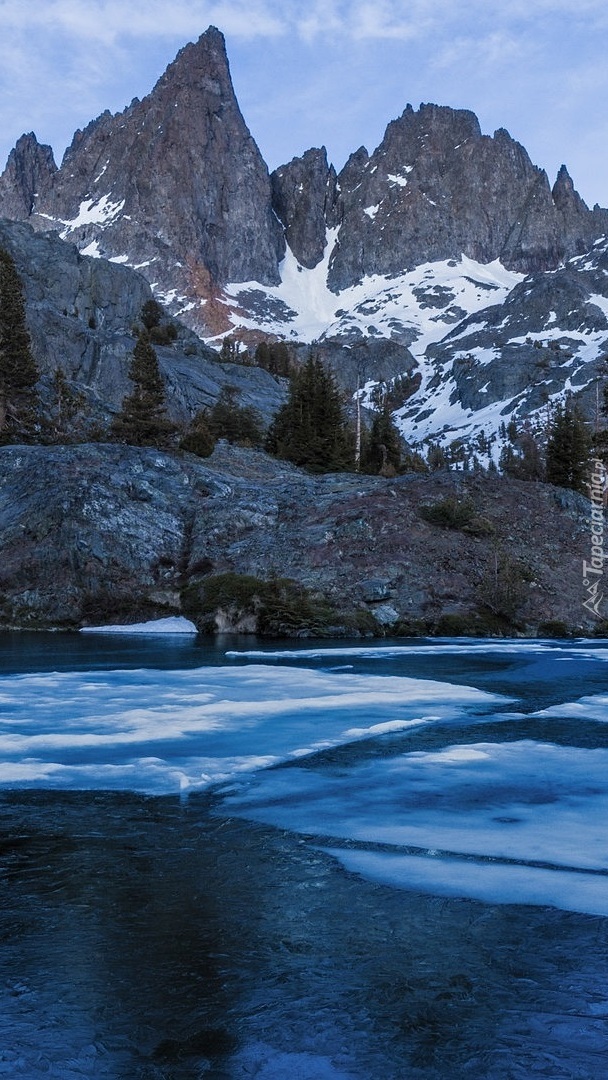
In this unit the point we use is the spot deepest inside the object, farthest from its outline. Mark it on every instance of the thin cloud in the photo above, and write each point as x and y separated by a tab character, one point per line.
493	50
109	20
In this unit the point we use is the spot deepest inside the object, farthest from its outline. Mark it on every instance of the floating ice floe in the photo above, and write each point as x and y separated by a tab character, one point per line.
161	731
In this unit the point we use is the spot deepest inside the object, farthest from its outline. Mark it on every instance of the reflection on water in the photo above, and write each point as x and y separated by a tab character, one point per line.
166	938
143	938
29	651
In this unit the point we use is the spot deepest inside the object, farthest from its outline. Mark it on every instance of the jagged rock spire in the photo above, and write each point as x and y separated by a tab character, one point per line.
28	176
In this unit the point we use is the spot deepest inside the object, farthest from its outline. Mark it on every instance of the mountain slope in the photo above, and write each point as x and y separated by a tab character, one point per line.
81	313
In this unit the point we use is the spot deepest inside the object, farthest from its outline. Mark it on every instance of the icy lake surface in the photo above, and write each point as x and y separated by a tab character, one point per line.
342	861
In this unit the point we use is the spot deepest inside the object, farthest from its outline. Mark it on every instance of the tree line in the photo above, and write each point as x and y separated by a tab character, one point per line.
311	430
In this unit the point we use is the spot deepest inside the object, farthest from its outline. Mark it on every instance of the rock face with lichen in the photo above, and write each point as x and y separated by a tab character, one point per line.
96	534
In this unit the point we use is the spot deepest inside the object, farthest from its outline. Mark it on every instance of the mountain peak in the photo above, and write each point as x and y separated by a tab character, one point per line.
28	176
174	183
200	63
565	196
563	183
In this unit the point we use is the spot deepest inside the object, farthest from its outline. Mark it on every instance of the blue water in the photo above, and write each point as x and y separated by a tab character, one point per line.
226	860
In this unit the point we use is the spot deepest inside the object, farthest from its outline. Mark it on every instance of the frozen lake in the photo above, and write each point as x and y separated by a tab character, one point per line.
346	861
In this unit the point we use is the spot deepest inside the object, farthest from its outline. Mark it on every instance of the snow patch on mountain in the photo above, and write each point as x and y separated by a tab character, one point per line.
416	307
94	211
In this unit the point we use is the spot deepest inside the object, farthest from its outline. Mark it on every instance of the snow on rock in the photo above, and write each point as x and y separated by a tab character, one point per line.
93	250
400	181
100	211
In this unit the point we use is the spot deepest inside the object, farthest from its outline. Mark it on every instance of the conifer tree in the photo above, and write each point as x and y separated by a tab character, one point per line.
568	449
382	447
142	420
273	357
198	439
151	314
436	457
311	429
63	420
236	423
18	371
229	352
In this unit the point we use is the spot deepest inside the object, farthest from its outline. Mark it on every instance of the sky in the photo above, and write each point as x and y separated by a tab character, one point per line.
325	72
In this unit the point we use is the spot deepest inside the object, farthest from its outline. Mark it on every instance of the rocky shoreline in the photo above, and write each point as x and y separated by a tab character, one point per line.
103	533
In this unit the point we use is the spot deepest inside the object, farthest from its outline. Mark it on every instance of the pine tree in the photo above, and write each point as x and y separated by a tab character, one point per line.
436	457
63	421
310	429
523	459
382	448
151	314
236	423
198	439
142	420
568	449
18	371
229	352
273	357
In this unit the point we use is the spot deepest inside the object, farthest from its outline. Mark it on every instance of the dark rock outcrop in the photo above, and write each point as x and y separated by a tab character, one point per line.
437	188
101	534
305	199
363	360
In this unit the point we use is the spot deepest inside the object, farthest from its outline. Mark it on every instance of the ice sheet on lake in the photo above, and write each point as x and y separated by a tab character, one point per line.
520	803
174	625
587	708
150	730
319	652
494	883
463	647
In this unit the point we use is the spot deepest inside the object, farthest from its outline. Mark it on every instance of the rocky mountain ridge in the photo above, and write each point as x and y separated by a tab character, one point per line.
406	246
